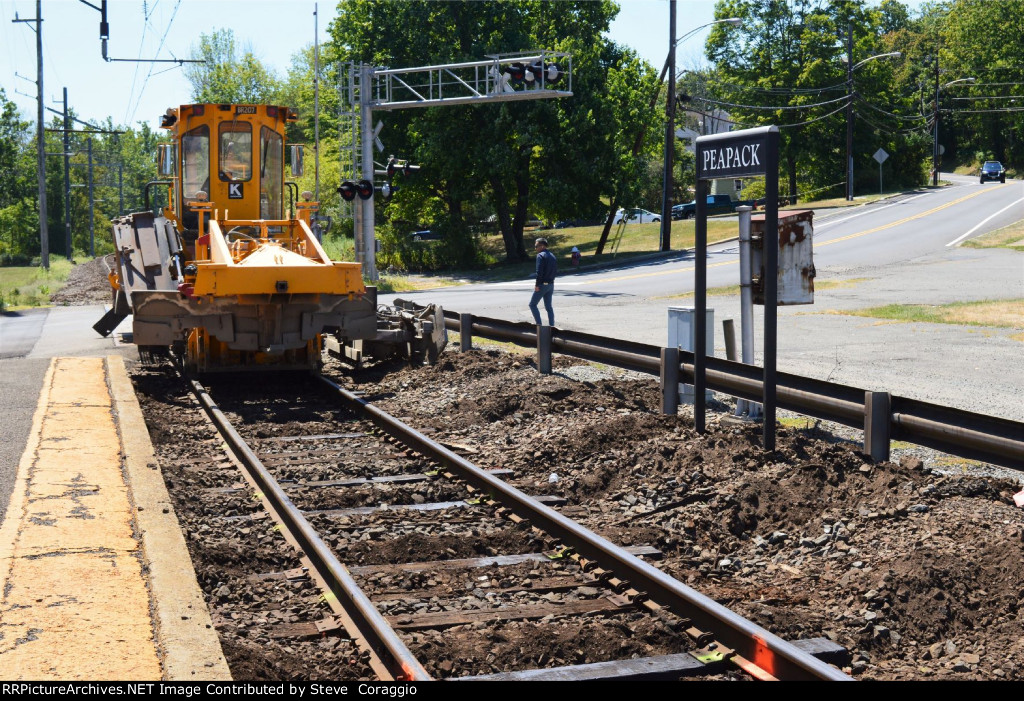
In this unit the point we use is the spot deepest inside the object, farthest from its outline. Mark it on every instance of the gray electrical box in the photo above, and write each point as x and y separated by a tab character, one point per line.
796	257
682	334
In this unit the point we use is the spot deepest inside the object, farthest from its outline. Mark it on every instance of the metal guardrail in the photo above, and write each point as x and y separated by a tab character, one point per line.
882	416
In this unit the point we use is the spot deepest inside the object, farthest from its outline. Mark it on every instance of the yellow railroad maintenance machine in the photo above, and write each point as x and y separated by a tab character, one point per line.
222	277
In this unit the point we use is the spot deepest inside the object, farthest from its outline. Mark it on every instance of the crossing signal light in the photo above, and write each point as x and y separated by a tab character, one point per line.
391	167
408	169
533	74
348	190
516	73
365	189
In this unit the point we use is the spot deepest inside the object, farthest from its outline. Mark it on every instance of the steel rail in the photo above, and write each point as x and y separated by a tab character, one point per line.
381	638
954	431
772	654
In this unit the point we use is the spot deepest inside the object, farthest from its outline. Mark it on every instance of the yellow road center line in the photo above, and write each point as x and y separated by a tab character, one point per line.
822	243
908	219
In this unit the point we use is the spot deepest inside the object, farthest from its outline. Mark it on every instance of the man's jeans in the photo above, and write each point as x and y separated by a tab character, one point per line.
545	292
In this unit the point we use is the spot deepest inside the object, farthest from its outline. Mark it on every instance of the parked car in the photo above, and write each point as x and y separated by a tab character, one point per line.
993	170
717	204
425	235
636	216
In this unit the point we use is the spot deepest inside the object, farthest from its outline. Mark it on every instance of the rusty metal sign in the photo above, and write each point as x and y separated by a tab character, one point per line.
796	271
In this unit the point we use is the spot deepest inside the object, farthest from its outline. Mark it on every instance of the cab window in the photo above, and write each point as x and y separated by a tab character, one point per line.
234	157
271	173
195	162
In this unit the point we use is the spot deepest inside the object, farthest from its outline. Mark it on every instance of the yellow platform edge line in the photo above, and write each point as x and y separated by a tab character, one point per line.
188	643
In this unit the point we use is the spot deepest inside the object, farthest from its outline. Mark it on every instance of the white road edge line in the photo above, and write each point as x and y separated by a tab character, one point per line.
828	222
982	223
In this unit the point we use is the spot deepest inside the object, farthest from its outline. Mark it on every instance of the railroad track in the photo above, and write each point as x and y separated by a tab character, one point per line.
413	563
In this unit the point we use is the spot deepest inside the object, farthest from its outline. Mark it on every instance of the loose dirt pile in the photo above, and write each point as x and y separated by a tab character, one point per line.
86	284
919	574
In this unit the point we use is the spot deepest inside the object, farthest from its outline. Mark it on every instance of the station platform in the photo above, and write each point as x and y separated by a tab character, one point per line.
97	583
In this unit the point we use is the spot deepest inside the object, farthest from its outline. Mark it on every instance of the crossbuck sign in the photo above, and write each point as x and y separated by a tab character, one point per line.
738	154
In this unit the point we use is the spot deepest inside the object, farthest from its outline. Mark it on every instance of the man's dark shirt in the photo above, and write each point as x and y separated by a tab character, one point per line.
547	267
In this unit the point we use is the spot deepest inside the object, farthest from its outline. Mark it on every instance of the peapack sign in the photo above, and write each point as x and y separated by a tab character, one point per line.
735	154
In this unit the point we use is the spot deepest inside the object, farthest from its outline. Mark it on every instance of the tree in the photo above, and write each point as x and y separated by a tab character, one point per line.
19	228
227	77
554	155
984	118
784	66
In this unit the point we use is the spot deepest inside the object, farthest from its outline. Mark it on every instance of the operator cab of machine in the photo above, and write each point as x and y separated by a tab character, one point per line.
237	161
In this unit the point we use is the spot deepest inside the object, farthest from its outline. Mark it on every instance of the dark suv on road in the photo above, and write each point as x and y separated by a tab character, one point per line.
993	170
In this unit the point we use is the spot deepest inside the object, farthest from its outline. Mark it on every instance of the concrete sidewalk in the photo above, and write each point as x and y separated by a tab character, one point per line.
97	581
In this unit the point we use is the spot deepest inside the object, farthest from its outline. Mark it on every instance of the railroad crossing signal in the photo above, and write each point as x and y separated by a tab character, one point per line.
393	166
348	190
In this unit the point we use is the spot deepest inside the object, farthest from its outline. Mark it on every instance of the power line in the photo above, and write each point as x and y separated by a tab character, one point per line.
1003	109
781	91
812	121
170	22
773	107
864	102
991	97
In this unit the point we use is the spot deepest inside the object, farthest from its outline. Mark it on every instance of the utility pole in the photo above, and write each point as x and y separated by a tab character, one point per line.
670	133
935	143
92	202
44	234
68	247
316	107
849	111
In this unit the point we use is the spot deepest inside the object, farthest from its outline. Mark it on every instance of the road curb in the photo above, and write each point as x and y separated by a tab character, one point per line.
188	643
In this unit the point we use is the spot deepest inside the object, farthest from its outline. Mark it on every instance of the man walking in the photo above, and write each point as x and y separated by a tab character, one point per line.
547	268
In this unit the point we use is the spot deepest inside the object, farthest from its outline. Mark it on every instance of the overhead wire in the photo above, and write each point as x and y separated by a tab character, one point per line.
864	102
159	48
812	121
772	107
923	128
781	91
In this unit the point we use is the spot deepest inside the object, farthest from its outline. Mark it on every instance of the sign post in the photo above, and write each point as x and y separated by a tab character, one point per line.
738	154
880	156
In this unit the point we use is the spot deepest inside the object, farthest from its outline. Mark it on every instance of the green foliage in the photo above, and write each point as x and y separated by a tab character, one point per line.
553	158
981	40
784	67
30	285
227	74
19	230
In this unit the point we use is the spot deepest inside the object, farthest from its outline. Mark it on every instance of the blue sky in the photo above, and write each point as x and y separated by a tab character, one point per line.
273	29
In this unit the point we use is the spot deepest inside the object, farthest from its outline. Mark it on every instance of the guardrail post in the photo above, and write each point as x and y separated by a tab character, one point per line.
465	332
669	380
729	331
544	349
876	425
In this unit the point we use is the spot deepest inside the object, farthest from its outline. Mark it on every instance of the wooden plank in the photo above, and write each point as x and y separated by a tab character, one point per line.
321	437
551	500
662	668
447	619
472	563
545	584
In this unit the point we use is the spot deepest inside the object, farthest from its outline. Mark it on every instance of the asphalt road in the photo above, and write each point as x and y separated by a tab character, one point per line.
901	250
